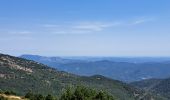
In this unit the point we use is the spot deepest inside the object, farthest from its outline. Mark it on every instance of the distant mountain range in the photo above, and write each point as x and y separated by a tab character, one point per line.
21	76
86	58
124	69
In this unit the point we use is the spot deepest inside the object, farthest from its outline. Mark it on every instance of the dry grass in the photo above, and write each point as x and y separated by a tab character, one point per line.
12	97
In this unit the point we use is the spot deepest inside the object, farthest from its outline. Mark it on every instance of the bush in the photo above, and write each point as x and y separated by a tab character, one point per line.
32	96
49	97
9	93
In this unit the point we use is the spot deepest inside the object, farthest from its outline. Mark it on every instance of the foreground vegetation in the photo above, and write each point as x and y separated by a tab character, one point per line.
79	93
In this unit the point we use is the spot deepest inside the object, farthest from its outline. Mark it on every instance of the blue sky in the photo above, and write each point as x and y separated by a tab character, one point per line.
85	27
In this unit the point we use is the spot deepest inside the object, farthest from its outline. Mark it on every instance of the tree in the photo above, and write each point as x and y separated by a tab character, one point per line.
84	93
49	97
67	95
29	95
103	96
39	97
32	96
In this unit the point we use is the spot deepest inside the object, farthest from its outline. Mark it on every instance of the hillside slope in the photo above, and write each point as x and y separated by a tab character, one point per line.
21	76
156	86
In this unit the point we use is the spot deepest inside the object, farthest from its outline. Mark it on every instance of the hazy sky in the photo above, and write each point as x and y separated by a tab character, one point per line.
85	27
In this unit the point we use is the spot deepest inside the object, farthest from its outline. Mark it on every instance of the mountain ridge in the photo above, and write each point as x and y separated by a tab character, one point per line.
123	71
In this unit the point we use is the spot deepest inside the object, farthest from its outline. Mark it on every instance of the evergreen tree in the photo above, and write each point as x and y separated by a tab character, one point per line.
49	97
29	95
39	97
67	95
103	96
83	93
